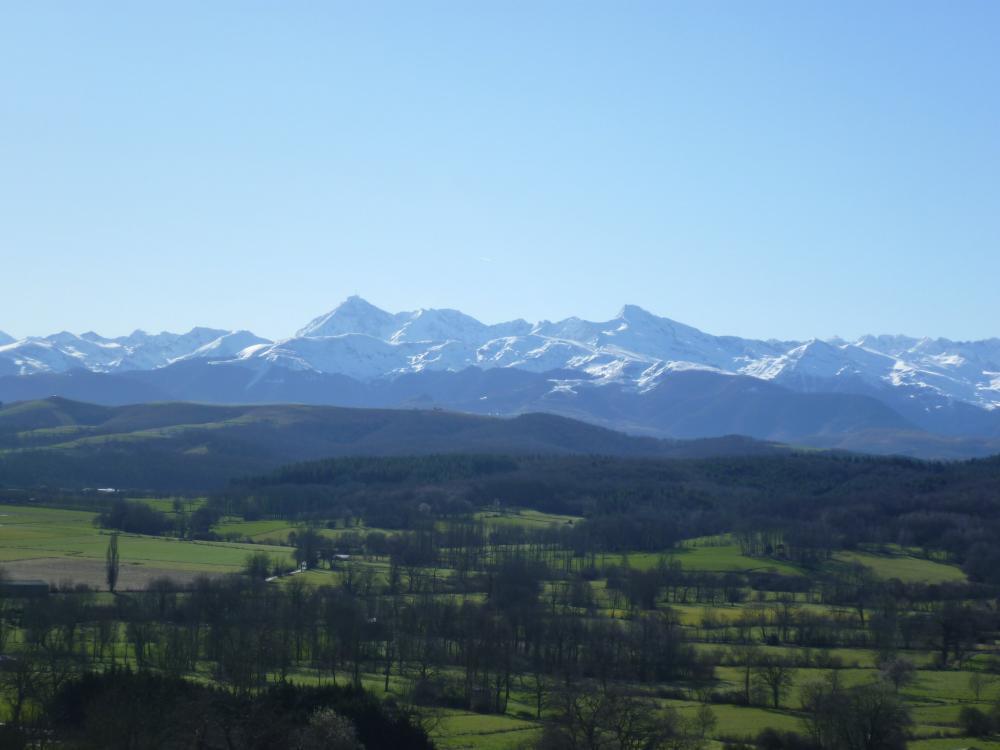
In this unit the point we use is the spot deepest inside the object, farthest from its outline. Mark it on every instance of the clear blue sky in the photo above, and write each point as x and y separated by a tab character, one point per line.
786	169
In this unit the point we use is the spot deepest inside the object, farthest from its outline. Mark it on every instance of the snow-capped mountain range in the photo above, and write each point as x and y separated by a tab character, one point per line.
364	342
65	351
946	387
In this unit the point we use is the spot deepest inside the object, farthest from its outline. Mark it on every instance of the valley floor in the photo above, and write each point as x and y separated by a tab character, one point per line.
62	546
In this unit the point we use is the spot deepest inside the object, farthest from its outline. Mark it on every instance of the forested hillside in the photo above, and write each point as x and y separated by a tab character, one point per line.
190	447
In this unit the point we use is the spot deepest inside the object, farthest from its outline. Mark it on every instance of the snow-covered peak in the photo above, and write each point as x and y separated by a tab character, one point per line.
569	329
94	336
634	312
227	346
887	344
439	325
639	335
519	327
63	337
353	315
354	354
818	361
139	350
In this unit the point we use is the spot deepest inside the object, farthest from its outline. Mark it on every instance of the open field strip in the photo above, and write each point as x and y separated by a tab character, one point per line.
956	743
906	568
524	517
461	730
714	559
64	545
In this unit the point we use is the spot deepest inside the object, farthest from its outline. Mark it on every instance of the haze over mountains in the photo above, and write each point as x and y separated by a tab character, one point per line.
637	372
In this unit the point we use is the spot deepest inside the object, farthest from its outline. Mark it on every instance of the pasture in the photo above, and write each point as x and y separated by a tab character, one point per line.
64	545
60	546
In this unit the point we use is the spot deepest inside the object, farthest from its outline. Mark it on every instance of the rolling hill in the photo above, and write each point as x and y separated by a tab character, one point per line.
184	446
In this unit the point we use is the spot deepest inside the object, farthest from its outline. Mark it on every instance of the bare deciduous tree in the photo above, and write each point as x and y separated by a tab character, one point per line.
776	676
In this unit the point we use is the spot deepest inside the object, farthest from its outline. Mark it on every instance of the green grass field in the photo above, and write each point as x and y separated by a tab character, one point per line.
906	568
954	743
254	529
718	558
461	729
524	517
64	545
278	531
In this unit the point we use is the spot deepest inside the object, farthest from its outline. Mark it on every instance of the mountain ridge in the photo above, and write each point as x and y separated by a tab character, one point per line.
172	445
383	344
589	369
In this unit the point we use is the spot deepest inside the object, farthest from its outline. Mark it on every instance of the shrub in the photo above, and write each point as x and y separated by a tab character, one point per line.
974	722
134	517
772	739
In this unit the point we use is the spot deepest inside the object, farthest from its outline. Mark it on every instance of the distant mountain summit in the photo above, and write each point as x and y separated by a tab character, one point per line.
611	372
353	315
356	315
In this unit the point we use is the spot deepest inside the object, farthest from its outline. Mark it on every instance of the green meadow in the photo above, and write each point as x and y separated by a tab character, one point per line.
62	545
905	567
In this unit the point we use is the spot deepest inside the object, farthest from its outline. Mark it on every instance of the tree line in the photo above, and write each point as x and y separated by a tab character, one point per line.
800	507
